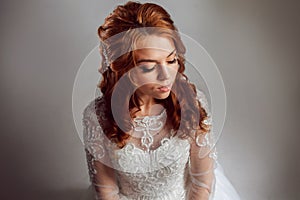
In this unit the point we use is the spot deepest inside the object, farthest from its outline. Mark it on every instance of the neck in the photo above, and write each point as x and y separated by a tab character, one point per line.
149	106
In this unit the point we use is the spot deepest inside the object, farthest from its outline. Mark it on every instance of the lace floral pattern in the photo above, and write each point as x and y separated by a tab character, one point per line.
147	125
161	173
209	140
161	170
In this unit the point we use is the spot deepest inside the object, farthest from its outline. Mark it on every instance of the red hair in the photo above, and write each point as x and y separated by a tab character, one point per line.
184	112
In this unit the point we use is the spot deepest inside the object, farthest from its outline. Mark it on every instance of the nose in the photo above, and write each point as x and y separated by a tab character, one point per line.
164	73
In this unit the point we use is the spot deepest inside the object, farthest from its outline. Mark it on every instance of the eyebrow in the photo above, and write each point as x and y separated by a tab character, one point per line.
150	60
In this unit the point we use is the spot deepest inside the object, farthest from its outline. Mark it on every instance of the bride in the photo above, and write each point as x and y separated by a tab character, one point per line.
147	136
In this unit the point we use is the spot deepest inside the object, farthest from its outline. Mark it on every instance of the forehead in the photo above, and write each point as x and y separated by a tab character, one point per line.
153	47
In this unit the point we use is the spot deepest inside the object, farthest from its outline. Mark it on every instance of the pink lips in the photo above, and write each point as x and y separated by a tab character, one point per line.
165	88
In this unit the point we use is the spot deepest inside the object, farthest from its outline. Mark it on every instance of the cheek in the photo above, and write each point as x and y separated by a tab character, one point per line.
147	88
144	78
173	71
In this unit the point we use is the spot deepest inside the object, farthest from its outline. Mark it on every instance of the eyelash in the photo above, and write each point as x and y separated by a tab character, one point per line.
149	70
173	61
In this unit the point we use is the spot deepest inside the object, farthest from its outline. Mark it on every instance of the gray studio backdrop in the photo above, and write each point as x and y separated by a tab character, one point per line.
254	43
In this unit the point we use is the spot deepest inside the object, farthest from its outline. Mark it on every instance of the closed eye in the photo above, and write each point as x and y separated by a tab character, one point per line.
145	69
172	61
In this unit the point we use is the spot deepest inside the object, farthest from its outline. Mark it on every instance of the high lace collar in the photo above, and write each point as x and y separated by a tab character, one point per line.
148	126
148	118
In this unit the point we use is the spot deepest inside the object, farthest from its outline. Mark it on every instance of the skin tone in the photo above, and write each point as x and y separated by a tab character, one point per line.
155	72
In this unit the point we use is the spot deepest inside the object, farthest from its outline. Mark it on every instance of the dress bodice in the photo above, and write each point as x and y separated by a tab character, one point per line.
154	174
143	172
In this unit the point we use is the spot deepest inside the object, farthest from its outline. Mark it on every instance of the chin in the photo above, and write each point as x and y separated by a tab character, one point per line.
163	96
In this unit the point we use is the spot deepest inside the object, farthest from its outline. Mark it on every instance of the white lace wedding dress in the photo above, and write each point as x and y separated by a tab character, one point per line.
154	166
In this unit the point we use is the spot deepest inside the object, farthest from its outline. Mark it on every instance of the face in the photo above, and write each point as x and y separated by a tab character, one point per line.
156	67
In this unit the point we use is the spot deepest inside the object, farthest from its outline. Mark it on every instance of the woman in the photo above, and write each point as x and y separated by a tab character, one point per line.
147	136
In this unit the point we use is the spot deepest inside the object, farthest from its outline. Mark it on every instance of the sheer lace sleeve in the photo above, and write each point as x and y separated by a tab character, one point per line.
102	176
203	159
